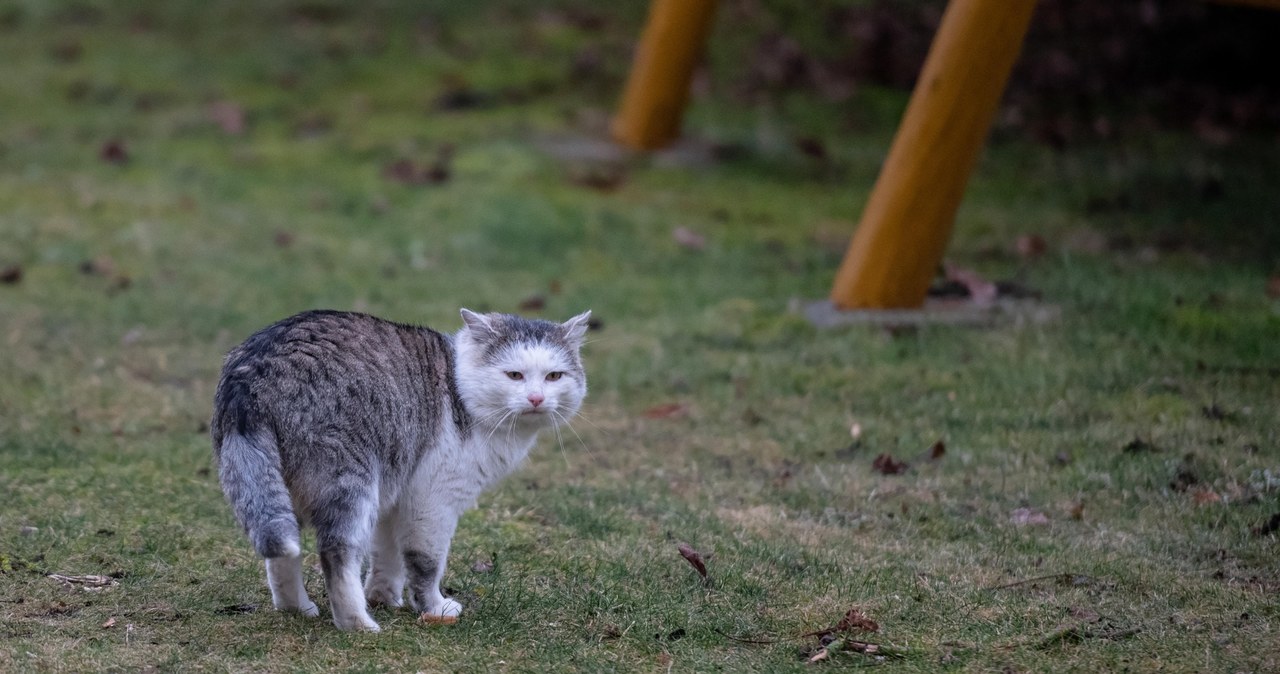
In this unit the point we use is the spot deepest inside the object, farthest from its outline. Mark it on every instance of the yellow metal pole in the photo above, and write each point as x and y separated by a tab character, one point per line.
908	217
654	98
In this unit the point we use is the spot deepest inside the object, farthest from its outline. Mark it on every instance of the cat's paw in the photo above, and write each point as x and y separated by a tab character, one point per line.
310	610
356	623
445	614
383	594
448	609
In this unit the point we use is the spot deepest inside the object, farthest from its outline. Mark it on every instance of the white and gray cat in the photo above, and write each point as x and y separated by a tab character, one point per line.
380	435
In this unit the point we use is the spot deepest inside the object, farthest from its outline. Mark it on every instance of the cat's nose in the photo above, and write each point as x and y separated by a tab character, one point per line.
536	399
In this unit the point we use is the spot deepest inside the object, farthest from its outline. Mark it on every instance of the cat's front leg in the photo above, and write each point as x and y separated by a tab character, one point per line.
425	554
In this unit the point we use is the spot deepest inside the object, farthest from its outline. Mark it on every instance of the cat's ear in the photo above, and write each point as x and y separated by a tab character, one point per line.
477	323
576	328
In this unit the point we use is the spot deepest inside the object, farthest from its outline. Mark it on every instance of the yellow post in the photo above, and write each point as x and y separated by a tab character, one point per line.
654	98
908	218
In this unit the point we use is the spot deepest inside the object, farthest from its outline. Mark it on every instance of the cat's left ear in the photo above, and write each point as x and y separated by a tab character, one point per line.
576	328
477	323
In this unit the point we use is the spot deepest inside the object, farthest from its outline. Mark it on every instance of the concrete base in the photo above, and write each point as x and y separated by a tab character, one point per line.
824	314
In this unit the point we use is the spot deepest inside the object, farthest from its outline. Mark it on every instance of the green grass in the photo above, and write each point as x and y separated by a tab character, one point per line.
105	384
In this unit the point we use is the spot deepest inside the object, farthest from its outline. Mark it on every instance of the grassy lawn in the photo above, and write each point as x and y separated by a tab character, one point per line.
175	175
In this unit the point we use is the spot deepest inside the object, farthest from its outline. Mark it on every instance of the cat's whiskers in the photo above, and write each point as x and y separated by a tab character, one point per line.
480	420
562	417
560	440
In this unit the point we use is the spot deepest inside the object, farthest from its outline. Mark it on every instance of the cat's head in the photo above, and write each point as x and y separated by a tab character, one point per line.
519	370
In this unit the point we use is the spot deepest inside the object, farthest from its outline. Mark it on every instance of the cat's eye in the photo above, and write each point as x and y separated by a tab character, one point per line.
515	376
554	376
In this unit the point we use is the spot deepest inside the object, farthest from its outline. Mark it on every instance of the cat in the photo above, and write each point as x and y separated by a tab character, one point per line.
380	435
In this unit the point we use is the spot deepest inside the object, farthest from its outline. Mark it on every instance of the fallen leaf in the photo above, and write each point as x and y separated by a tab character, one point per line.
229	117
533	303
666	411
482	566
687	238
1076	510
1273	287
1028	516
855	620
113	152
1205	496
825	652
886	464
603	178
811	147
110	622
937	450
283	238
1030	246
409	172
428	619
11	274
694	558
1084	614
101	265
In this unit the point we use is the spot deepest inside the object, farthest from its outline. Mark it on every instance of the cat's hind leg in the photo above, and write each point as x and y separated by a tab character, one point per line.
288	592
426	549
384	585
344	522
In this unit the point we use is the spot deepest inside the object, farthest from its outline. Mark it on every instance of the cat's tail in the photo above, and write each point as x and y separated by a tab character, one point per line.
249	468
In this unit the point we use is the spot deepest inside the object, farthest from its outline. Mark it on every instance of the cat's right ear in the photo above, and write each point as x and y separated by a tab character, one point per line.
477	323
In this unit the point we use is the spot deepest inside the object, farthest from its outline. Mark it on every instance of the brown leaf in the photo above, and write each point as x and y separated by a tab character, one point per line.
694	558
603	178
1030	246
533	303
114	152
811	147
1076	510
1205	496
101	265
666	411
409	172
428	619
687	238
1273	287
937	450
1085	615
482	566
855	620
11	274
283	238
110	622
886	464
229	117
